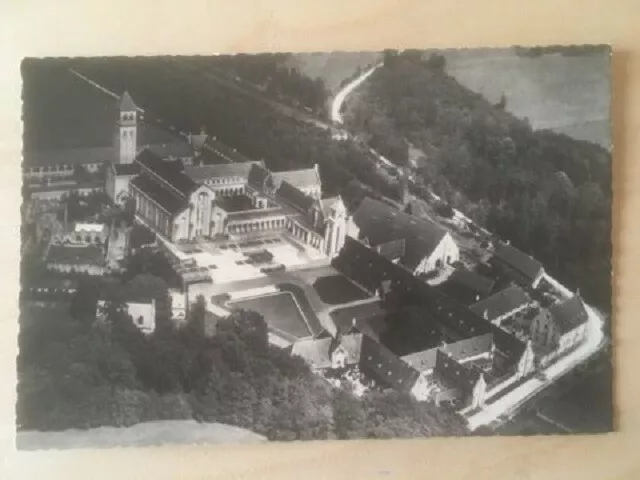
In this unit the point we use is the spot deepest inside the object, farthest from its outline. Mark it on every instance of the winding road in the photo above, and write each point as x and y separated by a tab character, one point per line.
339	99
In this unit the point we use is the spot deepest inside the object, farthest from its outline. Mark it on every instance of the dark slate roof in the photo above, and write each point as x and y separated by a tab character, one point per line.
519	261
453	374
569	314
126	103
379	363
152	134
455	316
304	178
126	168
380	223
460	350
202	173
393	250
72	156
76	255
368	269
172	150
170	171
470	347
508	345
294	197
164	197
501	303
223	151
258	176
422	361
472	280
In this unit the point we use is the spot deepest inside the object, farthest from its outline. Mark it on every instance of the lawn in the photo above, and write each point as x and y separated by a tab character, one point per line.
303	302
279	311
337	289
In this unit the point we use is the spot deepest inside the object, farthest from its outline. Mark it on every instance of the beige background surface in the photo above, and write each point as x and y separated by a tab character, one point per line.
110	27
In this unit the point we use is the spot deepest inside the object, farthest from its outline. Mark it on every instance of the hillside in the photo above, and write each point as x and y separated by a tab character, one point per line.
332	68
140	435
549	194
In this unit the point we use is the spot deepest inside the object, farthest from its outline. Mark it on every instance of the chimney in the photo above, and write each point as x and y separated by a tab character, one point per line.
485	315
316	168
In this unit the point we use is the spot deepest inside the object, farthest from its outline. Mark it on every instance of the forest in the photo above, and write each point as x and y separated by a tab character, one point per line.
548	194
76	371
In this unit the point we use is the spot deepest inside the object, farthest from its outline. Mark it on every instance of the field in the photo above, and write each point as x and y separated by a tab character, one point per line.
538	88
62	111
337	289
279	311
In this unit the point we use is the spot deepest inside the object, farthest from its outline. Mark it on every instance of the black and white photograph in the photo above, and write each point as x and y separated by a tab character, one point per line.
319	246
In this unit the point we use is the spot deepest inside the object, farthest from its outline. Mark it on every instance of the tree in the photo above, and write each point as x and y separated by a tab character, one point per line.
349	416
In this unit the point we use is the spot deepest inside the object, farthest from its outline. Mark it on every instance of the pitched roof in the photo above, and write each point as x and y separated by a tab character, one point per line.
455	375
519	261
154	134
501	303
471	280
393	250
379	363
303	178
380	223
459	351
71	156
222	151
367	268
168	200
129	169
258	175
569	314
169	171
202	173
172	150
422	361
508	345
76	255
470	347
326	204
315	352
351	343
126	103
294	197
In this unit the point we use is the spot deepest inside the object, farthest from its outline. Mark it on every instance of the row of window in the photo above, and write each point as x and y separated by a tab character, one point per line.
60	168
224	180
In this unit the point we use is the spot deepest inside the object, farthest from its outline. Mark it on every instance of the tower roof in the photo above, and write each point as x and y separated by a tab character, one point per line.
126	103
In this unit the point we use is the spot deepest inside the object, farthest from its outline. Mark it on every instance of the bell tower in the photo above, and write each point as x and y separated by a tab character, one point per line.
335	231
127	130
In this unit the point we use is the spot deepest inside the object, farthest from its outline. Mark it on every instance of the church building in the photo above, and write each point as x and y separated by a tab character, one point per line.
182	201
